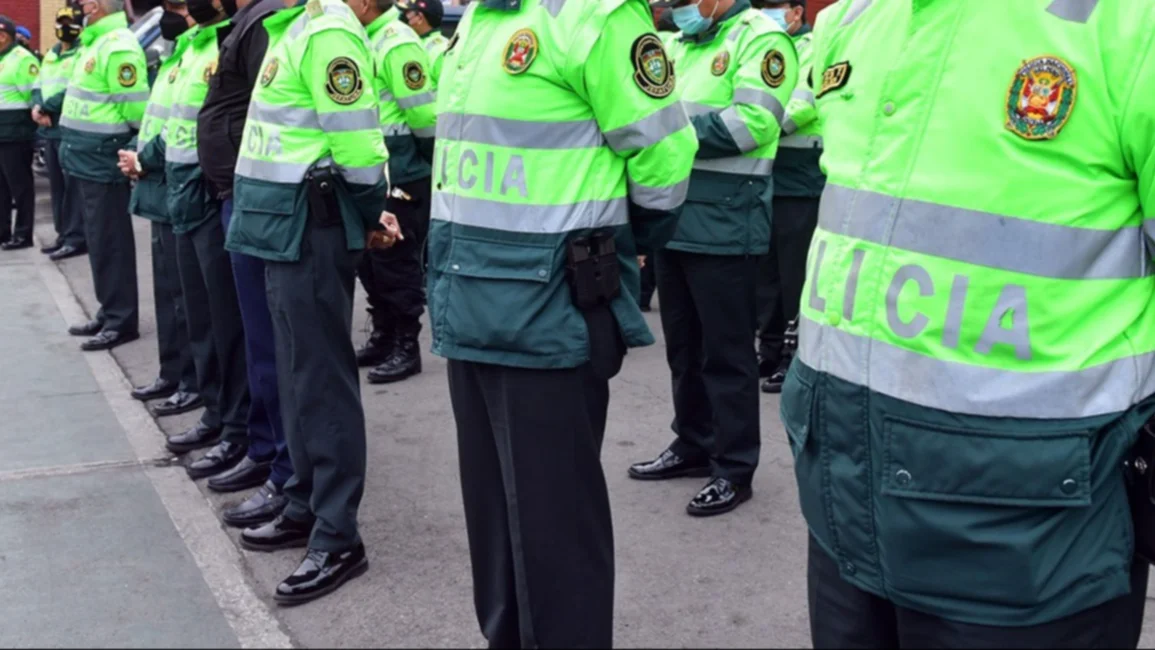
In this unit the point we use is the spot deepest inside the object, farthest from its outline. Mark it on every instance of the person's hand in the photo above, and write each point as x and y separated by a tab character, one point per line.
641	261
127	163
390	235
37	115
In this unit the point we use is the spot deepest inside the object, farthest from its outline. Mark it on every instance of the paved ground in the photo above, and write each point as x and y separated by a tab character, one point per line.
75	531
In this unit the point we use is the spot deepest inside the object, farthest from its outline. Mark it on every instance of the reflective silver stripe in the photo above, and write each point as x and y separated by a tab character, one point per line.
801	142
363	175
962	388
272	171
385	96
14	106
789	126
759	98
1149	229
100	98
413	101
302	22
1076	11
502	132
738	130
697	108
363	119
157	111
659	198
529	218
18	89
94	127
554	7
737	165
649	130
854	12
736	32
287	116
804	95
393	130
983	238
427	132
184	156
184	111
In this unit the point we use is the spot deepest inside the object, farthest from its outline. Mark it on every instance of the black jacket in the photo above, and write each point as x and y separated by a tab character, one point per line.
221	121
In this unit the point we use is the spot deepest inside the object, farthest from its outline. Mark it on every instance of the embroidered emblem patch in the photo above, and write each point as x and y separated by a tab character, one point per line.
1041	98
774	68
33	69
414	75
833	78
270	72
173	73
520	51
90	65
652	70
210	70
343	83
126	75
721	64
314	8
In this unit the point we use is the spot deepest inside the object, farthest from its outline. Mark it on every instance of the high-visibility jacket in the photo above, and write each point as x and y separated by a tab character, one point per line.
555	118
734	80
150	193
189	203
314	106
435	44
406	98
19	69
105	101
48	91
796	170
977	338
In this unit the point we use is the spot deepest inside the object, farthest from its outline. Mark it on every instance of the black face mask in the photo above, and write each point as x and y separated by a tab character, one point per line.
67	33
172	25
230	7
202	11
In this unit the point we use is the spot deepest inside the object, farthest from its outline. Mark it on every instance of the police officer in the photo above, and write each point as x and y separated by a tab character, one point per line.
309	185
960	408
220	125
24	40
18	72
533	281
102	111
393	277
47	101
738	69
798	182
425	17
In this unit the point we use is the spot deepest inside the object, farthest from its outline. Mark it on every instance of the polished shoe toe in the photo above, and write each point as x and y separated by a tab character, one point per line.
773	383
108	339
65	252
16	243
158	389
248	473
220	458
718	497
52	248
91	328
179	402
198	437
321	573
280	533
262	506
668	465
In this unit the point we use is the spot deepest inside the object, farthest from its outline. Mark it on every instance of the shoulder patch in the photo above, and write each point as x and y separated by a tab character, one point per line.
126	75
520	51
414	75
721	63
90	65
833	78
774	68
343	80
269	72
1041	98
33	69
210	70
314	8
173	73
652	70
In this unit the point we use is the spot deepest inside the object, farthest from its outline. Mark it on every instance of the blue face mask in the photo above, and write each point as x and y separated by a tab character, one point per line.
690	20
778	16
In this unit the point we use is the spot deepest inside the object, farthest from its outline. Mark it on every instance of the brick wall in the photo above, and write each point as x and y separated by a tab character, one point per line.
24	12
814	6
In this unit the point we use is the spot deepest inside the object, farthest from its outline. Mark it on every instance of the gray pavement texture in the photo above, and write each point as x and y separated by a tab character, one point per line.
94	559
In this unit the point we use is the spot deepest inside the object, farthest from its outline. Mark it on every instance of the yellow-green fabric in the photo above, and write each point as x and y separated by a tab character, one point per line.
547	129
19	70
48	91
796	169
435	45
977	336
406	98
105	100
314	106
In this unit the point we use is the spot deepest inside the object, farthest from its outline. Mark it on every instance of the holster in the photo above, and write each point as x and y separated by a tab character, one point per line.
321	191
594	276
1140	472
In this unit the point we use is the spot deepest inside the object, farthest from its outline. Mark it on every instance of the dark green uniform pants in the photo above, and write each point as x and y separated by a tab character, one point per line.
176	362
67	211
782	272
112	253
311	302
707	318
216	336
537	511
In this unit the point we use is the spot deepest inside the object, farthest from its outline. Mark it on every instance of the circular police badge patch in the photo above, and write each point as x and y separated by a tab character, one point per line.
210	70
414	75
652	70
343	83
774	68
90	65
721	64
519	52
1041	98
270	72
173	73
33	69
126	75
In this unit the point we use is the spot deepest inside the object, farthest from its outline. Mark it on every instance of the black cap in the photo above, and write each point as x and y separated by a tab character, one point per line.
433	10
6	25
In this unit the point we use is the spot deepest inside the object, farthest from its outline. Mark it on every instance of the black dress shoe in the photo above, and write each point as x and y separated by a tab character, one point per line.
179	402
198	437
158	389
279	533
321	573
376	350
91	328
264	505
16	243
224	456
52	248
108	339
246	474
66	252
668	465
719	496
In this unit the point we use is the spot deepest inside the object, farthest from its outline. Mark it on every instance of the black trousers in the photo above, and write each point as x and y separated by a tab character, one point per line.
112	253
176	361
782	272
16	187
537	511
67	211
707	317
394	278
311	302
216	335
649	281
843	616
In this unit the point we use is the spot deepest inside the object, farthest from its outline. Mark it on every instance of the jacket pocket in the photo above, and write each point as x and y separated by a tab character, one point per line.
263	217
800	418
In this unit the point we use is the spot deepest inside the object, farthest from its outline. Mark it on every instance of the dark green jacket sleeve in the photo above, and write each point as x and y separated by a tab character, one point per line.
151	155
714	139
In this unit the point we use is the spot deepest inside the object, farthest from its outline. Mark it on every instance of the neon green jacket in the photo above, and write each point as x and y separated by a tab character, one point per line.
150	193
19	70
405	98
50	85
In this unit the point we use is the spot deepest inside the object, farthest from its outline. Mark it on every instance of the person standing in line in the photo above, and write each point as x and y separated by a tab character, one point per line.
19	70
425	17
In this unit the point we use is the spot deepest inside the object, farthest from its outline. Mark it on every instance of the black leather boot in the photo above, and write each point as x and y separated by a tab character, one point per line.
405	361
380	344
